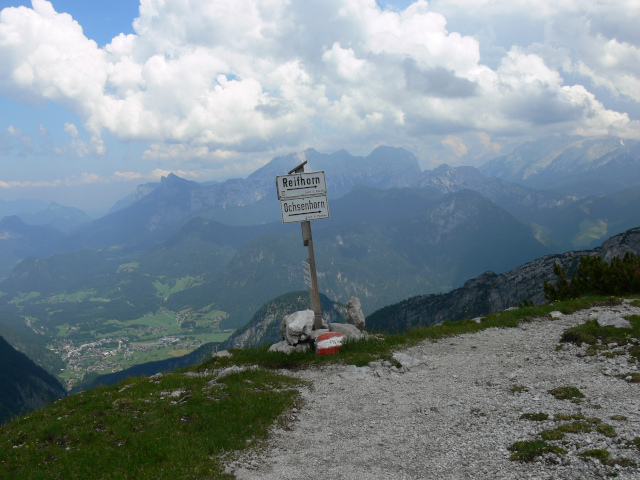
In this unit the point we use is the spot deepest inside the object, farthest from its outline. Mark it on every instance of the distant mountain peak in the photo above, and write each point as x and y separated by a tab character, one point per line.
12	222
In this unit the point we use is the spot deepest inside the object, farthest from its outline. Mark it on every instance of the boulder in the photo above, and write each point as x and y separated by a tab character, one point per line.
610	319
355	316
350	332
297	327
284	347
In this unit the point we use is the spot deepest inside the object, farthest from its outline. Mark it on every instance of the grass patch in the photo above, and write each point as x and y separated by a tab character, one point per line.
631	377
527	451
575	427
179	427
606	430
598	337
566	393
549	435
618	418
536	417
597	453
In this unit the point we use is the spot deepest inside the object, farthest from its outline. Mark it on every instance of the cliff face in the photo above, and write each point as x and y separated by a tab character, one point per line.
489	292
25	386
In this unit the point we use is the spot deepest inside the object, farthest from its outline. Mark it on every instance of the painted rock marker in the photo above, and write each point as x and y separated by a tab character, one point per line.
329	343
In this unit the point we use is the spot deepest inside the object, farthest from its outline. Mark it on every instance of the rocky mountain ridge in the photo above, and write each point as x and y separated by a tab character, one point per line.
579	165
490	292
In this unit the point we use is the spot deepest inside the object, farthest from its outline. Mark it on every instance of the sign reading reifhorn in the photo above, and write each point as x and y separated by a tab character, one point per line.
303	197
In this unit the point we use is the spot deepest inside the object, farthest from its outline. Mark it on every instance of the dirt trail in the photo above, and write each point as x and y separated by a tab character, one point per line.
455	416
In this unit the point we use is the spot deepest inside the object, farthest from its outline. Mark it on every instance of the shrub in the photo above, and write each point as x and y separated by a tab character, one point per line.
594	276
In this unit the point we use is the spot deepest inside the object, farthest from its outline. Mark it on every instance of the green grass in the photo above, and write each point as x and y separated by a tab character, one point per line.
536	417
597	453
179	285
527	451
566	393
598	337
138	430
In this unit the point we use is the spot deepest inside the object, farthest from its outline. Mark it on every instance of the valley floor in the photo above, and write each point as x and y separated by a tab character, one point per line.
455	416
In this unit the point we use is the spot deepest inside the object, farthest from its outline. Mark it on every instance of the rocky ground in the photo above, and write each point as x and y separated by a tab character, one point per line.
455	415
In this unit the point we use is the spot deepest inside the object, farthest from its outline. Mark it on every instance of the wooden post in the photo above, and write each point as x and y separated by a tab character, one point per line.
307	241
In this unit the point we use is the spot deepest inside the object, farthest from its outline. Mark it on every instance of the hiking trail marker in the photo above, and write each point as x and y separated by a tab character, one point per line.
303	197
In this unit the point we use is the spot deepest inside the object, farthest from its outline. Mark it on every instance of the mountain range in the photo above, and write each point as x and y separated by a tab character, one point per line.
571	164
395	232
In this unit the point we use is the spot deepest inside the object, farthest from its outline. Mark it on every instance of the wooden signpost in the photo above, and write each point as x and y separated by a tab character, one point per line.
303	197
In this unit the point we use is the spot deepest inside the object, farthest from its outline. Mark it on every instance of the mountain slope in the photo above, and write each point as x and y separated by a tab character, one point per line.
579	165
402	242
59	217
19	240
25	386
155	216
490	292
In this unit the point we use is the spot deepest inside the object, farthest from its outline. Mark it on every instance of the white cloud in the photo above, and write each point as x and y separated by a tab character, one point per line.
28	184
71	129
16	132
456	144
211	80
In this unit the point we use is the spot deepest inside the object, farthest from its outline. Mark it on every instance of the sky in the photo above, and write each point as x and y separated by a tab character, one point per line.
97	97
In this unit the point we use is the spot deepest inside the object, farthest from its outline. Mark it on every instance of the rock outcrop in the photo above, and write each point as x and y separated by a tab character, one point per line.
490	292
355	316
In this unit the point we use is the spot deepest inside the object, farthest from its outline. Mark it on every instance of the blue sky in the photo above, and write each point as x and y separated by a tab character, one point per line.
97	97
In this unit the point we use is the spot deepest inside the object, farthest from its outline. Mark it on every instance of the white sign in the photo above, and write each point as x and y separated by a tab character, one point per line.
301	185
306	270
303	209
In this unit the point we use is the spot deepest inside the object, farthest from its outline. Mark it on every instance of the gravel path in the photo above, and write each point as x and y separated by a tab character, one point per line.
455	416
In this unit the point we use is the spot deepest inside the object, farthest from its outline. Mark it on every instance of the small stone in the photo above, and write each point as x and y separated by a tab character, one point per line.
406	361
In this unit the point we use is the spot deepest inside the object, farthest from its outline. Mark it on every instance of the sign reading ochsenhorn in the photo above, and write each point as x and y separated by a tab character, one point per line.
303	196
303	209
301	185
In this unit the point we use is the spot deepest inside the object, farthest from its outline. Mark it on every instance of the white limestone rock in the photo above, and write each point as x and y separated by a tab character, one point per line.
355	316
284	347
407	361
350	332
297	327
610	319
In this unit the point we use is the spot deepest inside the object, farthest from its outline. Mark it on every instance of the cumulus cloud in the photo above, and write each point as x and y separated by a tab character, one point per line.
213	79
71	129
456	144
